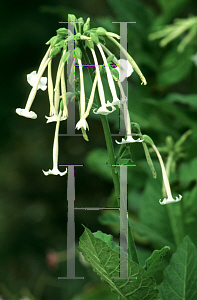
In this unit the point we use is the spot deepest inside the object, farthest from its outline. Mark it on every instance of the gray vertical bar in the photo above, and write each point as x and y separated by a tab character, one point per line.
123	271
123	43
71	226
123	222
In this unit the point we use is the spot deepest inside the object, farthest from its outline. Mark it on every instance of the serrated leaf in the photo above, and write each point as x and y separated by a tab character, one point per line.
153	262
180	277
105	262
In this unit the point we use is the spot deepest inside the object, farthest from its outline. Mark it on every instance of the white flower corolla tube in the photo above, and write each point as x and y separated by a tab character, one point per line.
124	68
109	77
35	80
127	121
169	198
55	170
101	110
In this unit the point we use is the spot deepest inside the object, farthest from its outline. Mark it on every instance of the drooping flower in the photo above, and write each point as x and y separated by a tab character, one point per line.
101	110
35	80
109	77
169	198
32	77
124	68
129	138
55	170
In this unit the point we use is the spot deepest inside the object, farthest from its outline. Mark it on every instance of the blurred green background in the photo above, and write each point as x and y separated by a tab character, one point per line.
33	208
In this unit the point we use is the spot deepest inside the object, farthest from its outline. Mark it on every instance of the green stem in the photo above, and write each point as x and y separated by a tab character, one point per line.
175	211
132	249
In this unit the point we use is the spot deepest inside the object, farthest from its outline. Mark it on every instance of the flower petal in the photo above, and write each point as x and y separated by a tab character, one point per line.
103	110
25	113
129	140
54	118
31	78
82	123
125	69
170	200
55	171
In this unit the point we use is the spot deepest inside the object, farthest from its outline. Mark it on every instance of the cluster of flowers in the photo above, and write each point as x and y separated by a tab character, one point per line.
89	38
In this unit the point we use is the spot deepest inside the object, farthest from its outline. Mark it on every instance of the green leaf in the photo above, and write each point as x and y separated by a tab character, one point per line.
180	277
105	262
190	100
174	67
96	162
153	262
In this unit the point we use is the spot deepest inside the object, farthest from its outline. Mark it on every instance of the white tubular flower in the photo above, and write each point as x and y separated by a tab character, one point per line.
54	118
32	80
50	90
109	77
125	69
82	91
82	123
129	138
169	198
55	170
26	111
102	110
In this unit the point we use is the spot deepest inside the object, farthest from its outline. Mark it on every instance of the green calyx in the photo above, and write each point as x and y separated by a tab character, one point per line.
62	31
86	26
101	31
147	139
94	38
89	44
78	53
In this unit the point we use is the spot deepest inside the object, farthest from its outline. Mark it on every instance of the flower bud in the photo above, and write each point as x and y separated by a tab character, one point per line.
62	31
71	18
94	38
86	26
89	44
147	139
78	53
101	31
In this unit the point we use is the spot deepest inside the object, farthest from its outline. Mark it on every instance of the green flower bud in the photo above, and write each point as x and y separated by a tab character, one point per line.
110	59
115	73
89	44
95	38
71	18
62	31
101	31
86	26
54	40
147	139
55	51
78	53
61	105
135	127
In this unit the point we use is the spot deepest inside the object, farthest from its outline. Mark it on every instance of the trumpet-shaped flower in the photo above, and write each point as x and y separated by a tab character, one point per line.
55	170
101	110
129	138
26	113
169	198
82	123
54	118
32	77
124	68
109	77
35	80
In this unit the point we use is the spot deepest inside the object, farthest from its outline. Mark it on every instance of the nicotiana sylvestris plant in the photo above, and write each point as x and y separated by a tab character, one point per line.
98	248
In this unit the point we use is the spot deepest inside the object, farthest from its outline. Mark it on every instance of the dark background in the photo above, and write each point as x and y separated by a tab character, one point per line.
33	208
